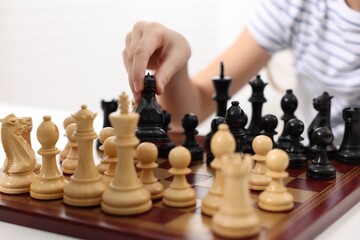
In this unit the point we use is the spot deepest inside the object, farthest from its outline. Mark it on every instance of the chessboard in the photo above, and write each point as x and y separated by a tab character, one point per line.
317	205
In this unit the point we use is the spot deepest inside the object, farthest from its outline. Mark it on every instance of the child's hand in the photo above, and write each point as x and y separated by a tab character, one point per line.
155	47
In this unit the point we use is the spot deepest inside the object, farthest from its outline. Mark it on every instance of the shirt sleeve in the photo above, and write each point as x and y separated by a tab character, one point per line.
271	24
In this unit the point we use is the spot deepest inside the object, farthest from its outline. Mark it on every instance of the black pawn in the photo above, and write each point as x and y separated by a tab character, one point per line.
236	119
257	100
349	151
150	126
189	122
289	105
295	150
214	127
269	123
165	148
107	107
321	167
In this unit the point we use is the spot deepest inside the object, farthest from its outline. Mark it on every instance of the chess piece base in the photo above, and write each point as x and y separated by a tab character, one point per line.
47	189
126	202
321	172
16	183
179	198
84	193
349	155
276	202
68	166
210	204
297	160
235	226
156	190
258	182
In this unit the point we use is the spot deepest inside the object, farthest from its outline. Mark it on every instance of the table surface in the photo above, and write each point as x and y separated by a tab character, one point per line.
346	227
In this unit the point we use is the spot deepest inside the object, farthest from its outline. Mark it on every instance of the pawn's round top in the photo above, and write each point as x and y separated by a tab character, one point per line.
146	152
70	129
47	133
109	146
189	121
269	123
222	141
322	138
261	145
179	158
105	133
277	160
216	122
295	128
68	120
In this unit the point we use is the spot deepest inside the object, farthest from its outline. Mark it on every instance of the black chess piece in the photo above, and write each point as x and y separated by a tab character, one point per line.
107	107
322	104
269	123
214	127
150	126
321	167
164	149
289	105
189	122
295	150
221	96
349	151
257	100
236	119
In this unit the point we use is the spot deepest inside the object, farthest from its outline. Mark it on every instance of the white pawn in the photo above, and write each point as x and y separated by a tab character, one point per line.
258	179
179	193
63	154
110	158
236	217
69	164
276	198
147	154
103	135
223	142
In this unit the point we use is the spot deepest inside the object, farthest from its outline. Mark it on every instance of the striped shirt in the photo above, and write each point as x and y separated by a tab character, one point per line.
325	38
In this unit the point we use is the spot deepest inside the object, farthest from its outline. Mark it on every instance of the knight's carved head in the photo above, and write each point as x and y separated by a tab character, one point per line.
322	102
14	124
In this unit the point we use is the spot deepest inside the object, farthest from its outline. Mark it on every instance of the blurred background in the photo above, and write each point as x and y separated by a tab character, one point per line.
61	54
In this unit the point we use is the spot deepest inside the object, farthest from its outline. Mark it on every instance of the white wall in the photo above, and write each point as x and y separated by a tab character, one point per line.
62	54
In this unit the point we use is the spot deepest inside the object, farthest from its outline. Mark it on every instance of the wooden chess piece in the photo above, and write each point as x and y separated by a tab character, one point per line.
222	142
349	151
289	104
269	123
125	195
189	122
214	127
85	187
322	104
49	183
63	154
103	135
257	100
179	193
275	197
236	217
110	158
18	170
69	164
295	149
107	107
258	179
321	167
27	136
147	154
236	119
